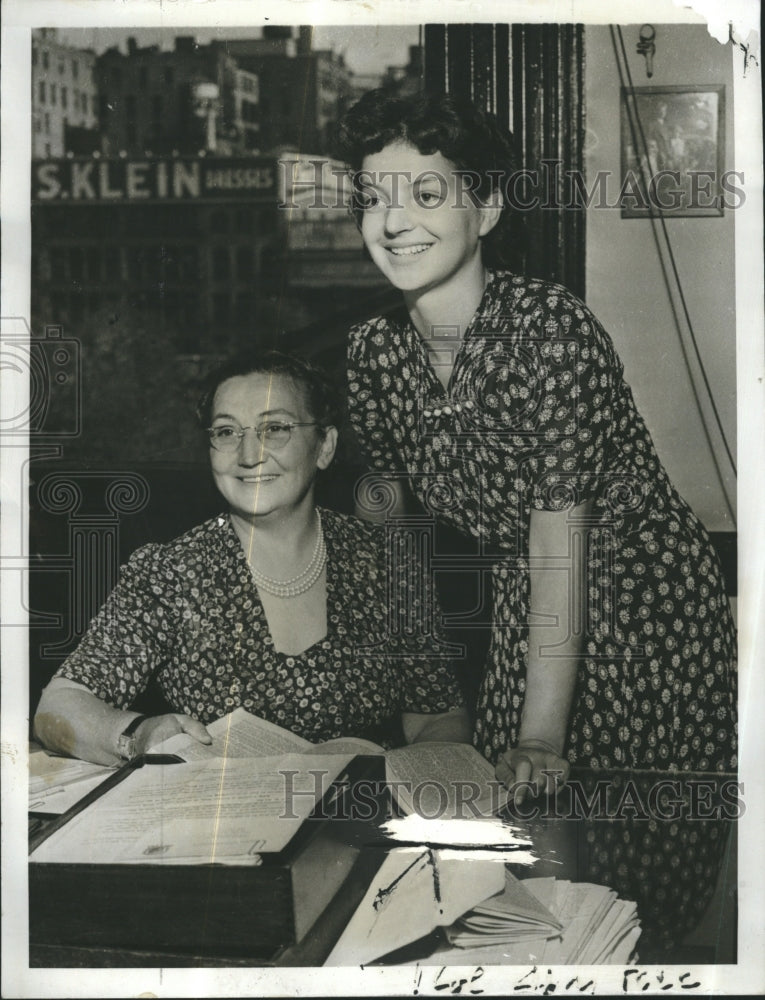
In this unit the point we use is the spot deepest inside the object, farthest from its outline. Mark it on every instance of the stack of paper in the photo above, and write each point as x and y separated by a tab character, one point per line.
547	920
598	926
57	783
513	915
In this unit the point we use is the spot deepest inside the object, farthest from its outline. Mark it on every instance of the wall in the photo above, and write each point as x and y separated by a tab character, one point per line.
625	286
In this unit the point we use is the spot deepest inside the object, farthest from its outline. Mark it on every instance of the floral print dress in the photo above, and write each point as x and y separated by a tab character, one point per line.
538	416
188	614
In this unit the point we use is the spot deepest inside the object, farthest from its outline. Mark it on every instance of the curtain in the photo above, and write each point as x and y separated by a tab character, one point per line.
532	78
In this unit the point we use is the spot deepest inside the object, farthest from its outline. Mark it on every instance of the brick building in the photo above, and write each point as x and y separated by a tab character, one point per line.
64	96
190	98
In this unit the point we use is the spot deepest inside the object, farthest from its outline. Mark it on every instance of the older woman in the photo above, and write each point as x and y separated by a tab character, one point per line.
277	606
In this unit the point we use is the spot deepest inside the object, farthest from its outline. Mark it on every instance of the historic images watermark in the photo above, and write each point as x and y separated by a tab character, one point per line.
319	183
668	798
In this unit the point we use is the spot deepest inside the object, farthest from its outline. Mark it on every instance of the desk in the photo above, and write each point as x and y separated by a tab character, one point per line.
607	828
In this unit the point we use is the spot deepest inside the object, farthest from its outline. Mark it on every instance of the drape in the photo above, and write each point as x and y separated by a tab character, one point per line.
531	76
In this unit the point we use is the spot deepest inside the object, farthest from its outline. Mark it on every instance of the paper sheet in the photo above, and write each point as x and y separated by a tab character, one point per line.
204	812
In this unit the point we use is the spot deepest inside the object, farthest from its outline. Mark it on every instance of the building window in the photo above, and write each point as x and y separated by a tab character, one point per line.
64	97
34	57
53	93
220	264
61	67
219	222
75	69
42	91
76	264
244	264
46	60
47	122
221	308
47	149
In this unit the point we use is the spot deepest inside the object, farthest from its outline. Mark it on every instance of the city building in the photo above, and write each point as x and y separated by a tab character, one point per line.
64	96
303	91
191	98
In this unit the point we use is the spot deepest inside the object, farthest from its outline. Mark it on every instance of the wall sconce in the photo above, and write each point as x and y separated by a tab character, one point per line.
647	47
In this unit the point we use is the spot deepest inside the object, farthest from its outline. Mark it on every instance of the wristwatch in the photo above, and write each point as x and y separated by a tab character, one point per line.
126	740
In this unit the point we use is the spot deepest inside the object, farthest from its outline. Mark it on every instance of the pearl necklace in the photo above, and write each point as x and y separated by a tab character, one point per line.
303	581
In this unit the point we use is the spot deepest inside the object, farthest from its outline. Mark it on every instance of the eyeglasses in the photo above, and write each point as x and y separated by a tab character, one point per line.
227	437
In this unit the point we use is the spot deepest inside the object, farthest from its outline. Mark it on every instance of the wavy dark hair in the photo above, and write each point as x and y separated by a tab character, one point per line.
473	140
324	400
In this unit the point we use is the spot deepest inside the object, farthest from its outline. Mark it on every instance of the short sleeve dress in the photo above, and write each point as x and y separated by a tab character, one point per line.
538	416
188	614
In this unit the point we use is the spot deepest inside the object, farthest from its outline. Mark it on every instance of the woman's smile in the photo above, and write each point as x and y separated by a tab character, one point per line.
419	230
258	478
409	250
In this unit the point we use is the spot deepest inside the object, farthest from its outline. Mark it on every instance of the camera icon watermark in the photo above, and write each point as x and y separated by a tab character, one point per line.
42	381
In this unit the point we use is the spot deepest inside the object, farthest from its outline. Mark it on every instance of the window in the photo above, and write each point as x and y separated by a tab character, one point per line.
61	67
221	308
42	91
220	264
75	69
45	60
53	93
76	264
112	263
219	222
64	97
34	57
47	124
244	263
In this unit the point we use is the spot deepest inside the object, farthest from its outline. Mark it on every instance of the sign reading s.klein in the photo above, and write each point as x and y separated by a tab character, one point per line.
156	179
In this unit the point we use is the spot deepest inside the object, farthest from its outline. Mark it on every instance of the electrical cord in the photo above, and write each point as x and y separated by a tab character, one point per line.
657	213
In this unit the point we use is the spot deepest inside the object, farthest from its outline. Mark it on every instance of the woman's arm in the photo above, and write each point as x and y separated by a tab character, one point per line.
556	624
446	727
71	720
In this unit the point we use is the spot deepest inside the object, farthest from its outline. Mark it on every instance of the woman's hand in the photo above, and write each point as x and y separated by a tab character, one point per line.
158	728
533	766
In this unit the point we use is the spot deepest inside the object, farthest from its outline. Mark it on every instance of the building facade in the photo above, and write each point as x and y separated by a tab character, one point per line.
64	96
191	98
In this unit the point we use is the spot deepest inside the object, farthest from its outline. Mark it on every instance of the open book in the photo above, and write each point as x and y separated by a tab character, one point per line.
248	794
435	780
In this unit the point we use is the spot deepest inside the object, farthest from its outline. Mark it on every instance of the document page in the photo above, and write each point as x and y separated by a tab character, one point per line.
216	811
444	780
57	783
240	734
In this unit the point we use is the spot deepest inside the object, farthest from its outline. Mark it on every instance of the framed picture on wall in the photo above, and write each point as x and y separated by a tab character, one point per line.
673	152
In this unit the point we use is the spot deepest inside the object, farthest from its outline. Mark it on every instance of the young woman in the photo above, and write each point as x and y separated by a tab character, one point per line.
274	606
613	643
